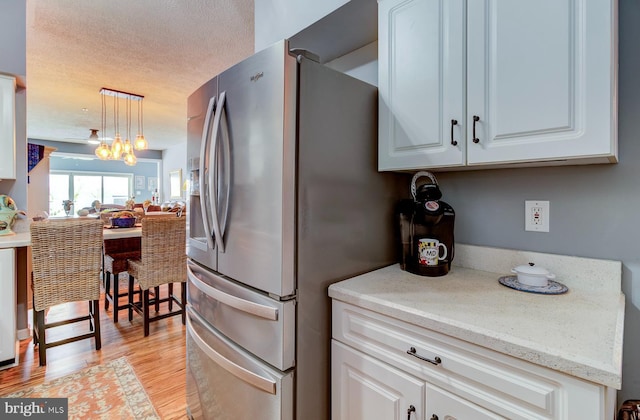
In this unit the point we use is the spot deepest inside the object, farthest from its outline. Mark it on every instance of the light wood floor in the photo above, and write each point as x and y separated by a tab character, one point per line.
158	360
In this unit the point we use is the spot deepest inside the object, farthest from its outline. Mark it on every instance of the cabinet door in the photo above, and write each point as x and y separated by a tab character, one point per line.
541	79
7	305
7	127
364	388
421	82
442	405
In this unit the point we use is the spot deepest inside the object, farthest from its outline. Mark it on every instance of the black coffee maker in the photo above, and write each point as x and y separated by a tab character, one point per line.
425	230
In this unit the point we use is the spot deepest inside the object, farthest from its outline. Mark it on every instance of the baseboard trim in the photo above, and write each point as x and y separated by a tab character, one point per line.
23	334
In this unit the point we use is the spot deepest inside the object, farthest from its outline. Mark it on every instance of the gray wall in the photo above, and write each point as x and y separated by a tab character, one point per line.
594	209
13	37
277	19
13	61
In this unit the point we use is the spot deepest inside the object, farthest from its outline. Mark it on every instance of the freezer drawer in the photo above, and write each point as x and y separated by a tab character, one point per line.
256	322
225	382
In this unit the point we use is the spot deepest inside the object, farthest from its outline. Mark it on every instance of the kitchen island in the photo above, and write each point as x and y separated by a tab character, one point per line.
540	340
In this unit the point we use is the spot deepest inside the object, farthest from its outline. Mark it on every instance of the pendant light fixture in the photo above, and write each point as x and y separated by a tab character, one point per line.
121	149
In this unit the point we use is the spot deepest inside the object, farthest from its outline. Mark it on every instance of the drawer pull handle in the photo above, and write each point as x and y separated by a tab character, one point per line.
434	417
453	142
475	120
435	361
410	410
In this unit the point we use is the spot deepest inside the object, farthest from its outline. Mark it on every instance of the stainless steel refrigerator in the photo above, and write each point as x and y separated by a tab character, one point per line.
285	199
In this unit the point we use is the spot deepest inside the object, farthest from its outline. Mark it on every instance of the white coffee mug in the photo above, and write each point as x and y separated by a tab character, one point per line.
429	251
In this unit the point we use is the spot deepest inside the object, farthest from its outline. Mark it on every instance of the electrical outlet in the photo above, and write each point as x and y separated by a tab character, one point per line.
536	216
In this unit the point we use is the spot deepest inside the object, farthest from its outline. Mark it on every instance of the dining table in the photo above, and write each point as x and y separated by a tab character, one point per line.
122	233
132	232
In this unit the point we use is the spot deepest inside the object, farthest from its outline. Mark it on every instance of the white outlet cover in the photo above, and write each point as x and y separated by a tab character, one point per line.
536	216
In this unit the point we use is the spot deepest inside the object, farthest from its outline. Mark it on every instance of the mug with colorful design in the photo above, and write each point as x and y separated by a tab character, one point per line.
429	251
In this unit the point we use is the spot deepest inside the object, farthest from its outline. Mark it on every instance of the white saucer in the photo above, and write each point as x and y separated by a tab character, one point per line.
552	288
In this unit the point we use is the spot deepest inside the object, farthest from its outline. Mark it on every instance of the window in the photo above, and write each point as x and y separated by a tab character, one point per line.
84	188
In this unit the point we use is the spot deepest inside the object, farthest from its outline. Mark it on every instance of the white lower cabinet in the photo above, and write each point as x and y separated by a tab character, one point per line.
366	388
385	368
7	307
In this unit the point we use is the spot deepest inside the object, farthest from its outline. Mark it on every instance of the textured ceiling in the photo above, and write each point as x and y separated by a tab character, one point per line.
160	49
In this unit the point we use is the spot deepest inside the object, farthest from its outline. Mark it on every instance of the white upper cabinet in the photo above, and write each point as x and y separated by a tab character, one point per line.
7	127
496	83
421	82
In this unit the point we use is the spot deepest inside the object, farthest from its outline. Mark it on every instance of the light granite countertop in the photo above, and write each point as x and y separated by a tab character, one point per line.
578	333
21	239
15	240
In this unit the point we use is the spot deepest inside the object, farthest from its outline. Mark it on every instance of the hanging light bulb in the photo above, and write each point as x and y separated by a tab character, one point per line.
141	142
130	159
127	148
116	146
102	151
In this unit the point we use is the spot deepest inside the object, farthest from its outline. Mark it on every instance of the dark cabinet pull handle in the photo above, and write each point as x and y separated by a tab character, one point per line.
475	120
410	410
436	361
453	142
434	417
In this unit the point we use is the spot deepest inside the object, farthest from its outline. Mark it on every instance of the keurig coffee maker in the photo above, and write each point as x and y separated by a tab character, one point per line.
425	230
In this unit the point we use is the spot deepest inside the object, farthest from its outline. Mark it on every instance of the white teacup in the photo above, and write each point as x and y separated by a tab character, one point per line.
429	251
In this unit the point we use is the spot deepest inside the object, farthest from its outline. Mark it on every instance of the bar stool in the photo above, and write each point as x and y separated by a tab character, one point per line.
162	261
66	258
114	264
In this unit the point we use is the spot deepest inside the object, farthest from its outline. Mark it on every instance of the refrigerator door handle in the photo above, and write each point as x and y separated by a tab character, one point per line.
206	134
245	375
214	146
226	176
243	305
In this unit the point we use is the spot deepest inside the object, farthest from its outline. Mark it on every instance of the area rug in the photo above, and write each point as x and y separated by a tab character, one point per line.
107	391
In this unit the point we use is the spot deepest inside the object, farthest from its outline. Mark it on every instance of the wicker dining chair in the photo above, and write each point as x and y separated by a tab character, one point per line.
66	260
163	261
